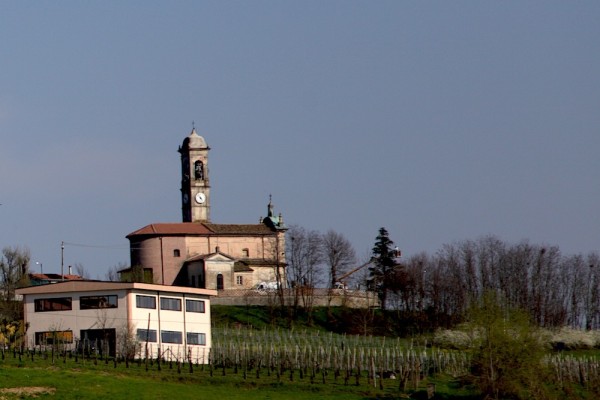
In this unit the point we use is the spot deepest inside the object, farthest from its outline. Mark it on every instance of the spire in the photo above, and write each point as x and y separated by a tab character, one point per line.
270	207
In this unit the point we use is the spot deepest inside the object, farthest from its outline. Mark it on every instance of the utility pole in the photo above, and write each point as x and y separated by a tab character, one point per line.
62	260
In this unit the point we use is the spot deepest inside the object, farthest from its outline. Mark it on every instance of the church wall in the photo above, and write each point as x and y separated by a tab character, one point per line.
159	254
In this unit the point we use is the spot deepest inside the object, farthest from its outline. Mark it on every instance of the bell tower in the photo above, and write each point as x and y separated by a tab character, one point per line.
195	185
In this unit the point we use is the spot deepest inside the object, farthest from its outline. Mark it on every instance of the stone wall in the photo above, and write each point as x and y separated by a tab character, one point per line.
320	298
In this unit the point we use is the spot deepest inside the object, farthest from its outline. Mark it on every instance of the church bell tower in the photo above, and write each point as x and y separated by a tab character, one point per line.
195	185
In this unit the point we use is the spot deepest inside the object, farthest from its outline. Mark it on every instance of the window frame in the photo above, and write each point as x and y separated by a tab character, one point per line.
50	304
146	334
198	335
40	336
140	297
171	337
201	309
112	302
165	303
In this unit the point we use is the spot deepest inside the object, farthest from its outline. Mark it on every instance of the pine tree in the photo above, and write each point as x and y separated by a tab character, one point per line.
384	261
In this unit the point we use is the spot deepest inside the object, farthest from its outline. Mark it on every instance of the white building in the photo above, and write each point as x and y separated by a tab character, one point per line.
174	319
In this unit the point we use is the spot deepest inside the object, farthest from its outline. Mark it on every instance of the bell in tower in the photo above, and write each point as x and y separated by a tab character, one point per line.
195	185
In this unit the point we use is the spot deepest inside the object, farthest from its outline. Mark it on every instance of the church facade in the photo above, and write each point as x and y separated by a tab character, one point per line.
199	253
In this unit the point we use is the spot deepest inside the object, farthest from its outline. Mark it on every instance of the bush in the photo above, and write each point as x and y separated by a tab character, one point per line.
572	339
508	354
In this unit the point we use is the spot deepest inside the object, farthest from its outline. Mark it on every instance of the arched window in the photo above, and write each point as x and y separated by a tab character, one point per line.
198	170
220	282
176	253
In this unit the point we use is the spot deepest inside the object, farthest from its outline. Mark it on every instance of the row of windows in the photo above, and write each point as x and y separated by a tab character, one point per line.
149	335
66	303
176	337
169	303
110	301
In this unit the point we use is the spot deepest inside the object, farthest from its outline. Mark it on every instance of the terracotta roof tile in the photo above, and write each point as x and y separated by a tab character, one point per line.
195	228
240	229
178	228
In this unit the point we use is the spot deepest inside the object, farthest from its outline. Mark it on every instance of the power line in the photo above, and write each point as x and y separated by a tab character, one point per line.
96	246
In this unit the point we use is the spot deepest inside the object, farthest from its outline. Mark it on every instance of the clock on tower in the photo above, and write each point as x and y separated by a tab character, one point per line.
195	186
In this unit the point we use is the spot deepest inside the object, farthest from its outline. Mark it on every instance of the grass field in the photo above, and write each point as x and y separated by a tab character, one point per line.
66	378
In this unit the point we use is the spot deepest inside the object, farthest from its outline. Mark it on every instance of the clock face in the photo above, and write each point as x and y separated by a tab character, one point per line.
200	198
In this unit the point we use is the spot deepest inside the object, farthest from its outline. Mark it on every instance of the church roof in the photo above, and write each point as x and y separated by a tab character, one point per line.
239	229
194	141
172	229
205	229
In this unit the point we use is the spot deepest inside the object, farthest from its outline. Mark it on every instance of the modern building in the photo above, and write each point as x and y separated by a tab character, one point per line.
199	253
119	318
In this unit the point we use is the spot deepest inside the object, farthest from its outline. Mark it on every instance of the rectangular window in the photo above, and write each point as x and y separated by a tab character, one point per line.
53	337
171	337
196	338
95	302
194	306
176	253
239	280
146	334
55	304
145	301
167	303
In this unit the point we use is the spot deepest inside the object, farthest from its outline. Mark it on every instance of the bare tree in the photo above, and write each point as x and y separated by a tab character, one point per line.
14	265
112	274
339	255
304	255
81	271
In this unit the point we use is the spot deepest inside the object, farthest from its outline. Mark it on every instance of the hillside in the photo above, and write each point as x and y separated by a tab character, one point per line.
334	319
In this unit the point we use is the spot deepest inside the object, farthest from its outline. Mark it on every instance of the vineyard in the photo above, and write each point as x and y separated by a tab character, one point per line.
377	365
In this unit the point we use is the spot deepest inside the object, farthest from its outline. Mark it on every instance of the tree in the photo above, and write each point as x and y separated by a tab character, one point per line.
304	255
113	272
338	254
507	350
14	264
382	269
81	271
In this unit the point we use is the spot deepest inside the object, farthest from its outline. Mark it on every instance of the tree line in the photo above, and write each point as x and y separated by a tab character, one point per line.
438	289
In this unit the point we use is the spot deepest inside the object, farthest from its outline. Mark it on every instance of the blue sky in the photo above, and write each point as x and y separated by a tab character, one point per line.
441	121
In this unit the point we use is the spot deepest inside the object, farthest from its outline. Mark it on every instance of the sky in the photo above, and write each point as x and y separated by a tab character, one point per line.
440	121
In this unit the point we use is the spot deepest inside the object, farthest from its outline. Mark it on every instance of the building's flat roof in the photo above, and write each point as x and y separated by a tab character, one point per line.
92	286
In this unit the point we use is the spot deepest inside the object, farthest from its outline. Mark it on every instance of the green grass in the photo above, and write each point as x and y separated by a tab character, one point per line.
71	379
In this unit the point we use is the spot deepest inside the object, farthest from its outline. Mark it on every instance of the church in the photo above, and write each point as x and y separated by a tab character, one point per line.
199	253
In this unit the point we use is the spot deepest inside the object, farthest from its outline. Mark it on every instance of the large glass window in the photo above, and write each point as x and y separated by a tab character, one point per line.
95	302
194	306
196	338
171	337
55	304
167	303
145	301
149	335
53	337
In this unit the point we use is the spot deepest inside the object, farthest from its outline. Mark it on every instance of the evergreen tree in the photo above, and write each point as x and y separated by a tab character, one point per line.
382	269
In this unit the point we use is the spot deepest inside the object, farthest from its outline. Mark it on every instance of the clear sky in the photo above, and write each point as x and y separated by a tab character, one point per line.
441	121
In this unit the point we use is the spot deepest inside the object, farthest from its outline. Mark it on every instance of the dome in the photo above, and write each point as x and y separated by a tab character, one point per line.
196	141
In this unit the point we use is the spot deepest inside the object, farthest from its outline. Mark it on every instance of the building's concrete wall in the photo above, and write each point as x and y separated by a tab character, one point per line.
127	317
